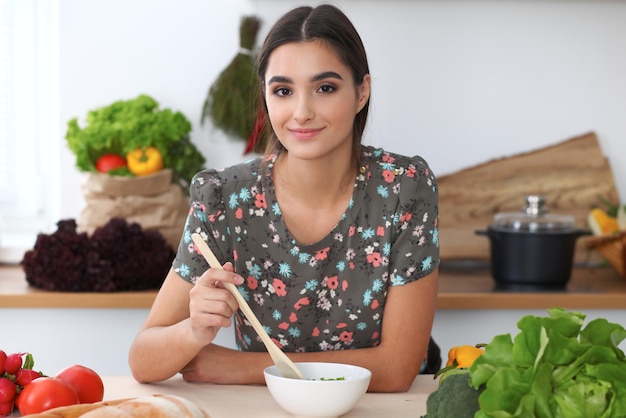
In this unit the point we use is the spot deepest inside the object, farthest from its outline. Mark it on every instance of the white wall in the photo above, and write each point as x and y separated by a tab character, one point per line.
100	338
172	50
96	338
459	82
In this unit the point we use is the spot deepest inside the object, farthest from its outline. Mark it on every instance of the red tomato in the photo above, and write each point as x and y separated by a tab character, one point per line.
110	162
86	382
45	393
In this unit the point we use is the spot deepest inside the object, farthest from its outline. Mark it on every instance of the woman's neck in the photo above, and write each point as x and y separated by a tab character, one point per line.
313	195
314	181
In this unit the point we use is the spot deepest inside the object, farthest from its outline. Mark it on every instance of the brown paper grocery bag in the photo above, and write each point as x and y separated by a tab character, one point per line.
152	201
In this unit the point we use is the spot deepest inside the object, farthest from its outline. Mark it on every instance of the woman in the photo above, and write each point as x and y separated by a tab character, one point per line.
334	244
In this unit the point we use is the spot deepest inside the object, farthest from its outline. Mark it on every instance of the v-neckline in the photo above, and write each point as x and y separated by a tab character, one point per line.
278	221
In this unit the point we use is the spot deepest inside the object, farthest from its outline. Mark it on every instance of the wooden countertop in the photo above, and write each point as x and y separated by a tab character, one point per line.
472	287
460	287
256	401
15	292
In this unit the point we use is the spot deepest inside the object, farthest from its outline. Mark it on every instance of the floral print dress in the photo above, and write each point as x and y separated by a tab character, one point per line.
329	295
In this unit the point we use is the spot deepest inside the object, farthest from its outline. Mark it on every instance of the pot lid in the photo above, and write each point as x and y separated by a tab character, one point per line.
534	218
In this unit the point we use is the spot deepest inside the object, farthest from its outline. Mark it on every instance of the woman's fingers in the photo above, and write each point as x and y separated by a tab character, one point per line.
210	304
212	276
212	300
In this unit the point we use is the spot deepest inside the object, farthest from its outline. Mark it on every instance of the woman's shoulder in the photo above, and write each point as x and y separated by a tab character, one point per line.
217	187
390	164
247	171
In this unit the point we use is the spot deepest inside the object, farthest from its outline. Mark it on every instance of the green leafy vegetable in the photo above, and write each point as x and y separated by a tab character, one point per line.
554	368
138	123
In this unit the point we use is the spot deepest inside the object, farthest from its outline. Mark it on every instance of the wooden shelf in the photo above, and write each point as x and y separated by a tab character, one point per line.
474	288
16	293
459	288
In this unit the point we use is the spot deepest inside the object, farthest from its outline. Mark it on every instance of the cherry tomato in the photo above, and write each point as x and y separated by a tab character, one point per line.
86	382
45	393
109	162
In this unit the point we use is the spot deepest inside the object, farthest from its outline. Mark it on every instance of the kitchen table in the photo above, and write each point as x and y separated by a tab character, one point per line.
242	401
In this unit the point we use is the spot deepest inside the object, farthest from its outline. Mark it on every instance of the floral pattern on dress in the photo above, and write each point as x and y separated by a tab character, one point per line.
329	295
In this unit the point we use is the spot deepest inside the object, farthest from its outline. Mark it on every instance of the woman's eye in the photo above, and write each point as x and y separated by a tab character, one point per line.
282	91
327	88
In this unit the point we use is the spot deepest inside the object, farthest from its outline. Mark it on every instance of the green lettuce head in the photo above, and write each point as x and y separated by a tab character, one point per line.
554	368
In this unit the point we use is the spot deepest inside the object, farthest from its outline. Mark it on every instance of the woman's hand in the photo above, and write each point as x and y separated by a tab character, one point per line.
211	306
184	318
222	365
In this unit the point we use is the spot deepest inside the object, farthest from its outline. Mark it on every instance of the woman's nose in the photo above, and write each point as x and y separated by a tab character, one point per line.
304	109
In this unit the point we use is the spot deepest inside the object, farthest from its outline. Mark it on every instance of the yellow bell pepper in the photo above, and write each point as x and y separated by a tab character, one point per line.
144	161
460	359
463	356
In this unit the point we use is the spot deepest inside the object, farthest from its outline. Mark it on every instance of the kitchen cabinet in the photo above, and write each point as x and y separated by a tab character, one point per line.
96	329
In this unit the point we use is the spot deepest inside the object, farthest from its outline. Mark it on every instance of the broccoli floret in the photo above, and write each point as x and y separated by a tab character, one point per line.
454	398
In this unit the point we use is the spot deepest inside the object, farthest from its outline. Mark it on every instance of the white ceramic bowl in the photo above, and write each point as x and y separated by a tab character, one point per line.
315	397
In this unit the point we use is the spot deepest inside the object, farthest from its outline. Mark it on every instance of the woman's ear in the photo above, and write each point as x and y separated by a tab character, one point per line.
363	92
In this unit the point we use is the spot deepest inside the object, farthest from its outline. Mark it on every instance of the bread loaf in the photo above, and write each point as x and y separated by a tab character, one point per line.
153	406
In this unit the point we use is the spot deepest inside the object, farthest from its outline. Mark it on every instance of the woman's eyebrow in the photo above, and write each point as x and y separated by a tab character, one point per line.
316	77
326	74
279	79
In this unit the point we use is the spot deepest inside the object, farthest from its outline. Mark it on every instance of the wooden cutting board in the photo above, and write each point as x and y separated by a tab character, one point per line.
570	174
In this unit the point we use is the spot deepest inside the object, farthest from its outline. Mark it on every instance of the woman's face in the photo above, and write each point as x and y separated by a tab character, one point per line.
312	99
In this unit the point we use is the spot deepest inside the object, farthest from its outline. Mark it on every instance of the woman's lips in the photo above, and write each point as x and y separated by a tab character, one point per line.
305	133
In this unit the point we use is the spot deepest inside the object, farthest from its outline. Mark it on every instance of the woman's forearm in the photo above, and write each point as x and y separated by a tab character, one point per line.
222	365
158	353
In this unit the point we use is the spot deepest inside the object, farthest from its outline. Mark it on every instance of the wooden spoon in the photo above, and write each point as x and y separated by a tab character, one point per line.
284	364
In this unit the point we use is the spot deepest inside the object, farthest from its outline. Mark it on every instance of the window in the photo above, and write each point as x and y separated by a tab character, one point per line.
6	75
28	119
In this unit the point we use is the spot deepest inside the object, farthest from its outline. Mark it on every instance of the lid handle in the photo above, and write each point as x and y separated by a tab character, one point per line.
535	205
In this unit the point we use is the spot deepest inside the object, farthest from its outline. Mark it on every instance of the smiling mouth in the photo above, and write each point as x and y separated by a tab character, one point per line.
305	133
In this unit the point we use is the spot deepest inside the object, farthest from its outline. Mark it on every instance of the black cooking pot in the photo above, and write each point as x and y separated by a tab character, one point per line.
532	250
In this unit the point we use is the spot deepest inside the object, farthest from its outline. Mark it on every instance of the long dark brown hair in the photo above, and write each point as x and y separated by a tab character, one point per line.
330	25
